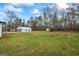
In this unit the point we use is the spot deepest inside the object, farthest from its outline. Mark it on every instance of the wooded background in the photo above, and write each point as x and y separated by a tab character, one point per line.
49	18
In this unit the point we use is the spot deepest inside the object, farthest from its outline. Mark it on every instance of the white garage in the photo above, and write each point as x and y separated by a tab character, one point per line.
24	29
1	26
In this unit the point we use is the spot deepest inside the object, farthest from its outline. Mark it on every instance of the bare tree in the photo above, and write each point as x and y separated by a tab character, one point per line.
47	16
72	16
10	16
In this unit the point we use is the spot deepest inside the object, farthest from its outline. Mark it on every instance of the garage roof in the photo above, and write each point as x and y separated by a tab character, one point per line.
2	22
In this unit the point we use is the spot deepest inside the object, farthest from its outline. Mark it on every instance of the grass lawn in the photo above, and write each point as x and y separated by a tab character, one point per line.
40	43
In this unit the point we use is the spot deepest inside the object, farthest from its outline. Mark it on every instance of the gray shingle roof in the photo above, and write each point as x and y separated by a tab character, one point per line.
2	22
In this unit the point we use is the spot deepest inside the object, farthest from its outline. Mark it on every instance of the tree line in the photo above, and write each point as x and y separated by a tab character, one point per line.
50	17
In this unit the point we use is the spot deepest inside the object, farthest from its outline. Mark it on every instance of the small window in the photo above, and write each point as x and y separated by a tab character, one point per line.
26	29
18	30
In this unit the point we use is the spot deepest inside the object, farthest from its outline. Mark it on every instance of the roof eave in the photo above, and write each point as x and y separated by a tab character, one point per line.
2	22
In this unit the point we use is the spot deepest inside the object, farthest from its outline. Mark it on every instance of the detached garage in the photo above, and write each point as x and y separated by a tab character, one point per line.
24	29
1	26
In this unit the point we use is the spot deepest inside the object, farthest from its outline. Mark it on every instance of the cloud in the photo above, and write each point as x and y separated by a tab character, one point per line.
15	4
2	14
62	5
12	8
29	4
9	7
35	11
22	4
65	1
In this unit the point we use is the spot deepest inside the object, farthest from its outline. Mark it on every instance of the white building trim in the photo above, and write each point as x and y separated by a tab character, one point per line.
24	29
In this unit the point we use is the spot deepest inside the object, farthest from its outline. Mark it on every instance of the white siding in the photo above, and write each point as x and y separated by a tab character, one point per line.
0	30
24	29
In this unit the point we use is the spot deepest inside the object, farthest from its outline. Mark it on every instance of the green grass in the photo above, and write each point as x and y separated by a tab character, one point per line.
40	43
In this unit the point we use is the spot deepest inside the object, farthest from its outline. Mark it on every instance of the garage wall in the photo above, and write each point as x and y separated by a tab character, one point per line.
0	30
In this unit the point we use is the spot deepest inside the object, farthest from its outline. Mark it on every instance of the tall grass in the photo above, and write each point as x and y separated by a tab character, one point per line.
40	43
